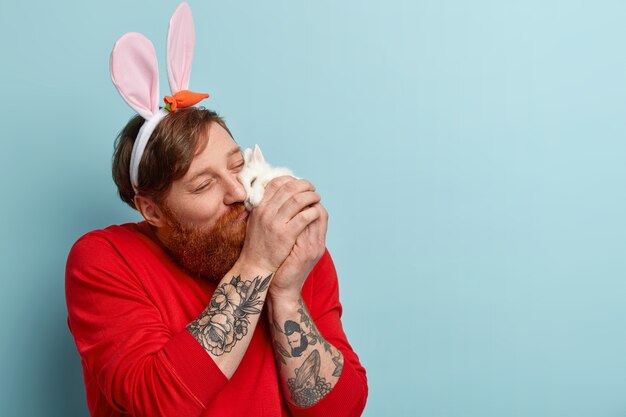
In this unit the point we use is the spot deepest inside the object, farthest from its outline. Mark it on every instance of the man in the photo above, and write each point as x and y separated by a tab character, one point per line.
182	314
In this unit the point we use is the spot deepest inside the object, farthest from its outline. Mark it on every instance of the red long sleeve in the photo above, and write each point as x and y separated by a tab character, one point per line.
128	304
349	395
138	363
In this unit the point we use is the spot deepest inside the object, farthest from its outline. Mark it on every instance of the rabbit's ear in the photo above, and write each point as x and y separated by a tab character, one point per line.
134	72
247	154
257	155
180	44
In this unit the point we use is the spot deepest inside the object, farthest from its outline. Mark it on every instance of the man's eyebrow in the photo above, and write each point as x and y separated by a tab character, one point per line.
209	170
234	151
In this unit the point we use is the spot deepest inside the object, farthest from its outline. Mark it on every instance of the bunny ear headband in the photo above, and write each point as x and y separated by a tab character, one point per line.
134	72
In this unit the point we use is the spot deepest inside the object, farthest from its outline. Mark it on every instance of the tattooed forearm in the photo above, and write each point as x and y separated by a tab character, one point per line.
225	321
338	361
298	336
308	387
297	339
292	340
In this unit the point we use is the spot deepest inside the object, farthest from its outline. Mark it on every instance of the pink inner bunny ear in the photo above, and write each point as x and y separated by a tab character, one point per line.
135	73
180	44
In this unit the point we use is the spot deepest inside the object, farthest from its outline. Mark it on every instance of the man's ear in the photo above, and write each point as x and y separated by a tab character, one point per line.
150	211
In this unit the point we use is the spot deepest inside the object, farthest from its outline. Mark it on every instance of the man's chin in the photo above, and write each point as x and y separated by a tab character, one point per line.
209	254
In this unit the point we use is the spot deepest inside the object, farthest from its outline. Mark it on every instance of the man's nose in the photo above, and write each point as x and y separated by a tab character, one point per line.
234	191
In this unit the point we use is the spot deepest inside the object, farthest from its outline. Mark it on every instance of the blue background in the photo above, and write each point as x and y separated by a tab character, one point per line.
471	155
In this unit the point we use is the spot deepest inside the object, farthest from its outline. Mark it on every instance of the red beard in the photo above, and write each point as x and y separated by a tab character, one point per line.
210	253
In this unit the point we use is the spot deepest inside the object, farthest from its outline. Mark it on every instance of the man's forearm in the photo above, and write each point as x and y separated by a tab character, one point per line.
226	326
309	365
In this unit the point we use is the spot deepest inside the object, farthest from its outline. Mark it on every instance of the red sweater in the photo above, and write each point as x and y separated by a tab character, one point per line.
128	304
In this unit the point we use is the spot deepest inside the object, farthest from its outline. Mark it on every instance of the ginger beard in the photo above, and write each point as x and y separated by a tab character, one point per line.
208	253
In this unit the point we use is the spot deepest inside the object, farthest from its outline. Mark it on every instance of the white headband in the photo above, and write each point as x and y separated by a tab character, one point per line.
135	74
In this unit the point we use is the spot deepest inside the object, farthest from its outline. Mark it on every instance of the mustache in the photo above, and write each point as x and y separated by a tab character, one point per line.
231	215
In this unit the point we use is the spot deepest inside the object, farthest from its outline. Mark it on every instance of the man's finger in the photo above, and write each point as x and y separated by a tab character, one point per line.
320	225
303	219
286	191
294	204
274	185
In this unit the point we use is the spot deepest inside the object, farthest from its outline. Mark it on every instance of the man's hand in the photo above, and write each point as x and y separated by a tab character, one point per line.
308	249
287	209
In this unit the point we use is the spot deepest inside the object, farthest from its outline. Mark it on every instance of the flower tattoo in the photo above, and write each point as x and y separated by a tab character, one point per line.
226	319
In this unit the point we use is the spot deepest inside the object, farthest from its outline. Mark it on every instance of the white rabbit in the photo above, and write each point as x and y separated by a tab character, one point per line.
256	174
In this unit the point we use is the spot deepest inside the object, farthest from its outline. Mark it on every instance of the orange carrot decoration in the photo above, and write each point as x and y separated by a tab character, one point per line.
183	98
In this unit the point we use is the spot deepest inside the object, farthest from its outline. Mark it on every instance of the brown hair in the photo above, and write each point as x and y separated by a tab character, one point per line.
167	156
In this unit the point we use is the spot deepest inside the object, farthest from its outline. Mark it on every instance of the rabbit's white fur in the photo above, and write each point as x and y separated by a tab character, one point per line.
255	175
